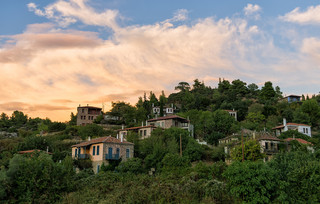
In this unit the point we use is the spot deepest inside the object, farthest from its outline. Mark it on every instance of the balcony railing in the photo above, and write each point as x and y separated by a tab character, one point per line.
112	157
83	156
270	151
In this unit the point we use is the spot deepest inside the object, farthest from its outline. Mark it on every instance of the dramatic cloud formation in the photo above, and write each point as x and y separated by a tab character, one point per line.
47	66
310	16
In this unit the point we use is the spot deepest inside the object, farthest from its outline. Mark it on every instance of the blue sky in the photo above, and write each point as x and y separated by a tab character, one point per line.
55	55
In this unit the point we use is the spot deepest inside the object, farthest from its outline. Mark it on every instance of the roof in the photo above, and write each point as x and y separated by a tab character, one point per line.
269	137
32	150
290	124
299	140
136	128
167	118
107	139
90	107
292	96
230	110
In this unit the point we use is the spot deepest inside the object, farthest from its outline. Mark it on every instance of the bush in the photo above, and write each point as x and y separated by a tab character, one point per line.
133	165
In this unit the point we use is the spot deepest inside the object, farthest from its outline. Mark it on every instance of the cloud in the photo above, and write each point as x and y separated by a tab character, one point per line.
21	106
65	68
310	16
252	10
66	12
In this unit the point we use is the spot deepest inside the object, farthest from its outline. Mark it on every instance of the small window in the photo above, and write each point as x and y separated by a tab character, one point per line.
98	168
307	130
127	153
94	150
145	132
304	130
98	148
75	152
267	145
84	117
79	151
82	110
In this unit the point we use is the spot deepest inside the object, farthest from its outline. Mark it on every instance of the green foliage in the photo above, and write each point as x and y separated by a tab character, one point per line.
73	119
293	134
56	126
92	130
132	165
251	151
174	162
252	182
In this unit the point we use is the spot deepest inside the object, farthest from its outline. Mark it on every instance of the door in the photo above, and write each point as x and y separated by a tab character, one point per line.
110	152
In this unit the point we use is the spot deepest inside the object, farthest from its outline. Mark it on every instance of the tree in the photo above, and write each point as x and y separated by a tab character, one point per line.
312	108
73	119
182	86
251	182
251	151
267	92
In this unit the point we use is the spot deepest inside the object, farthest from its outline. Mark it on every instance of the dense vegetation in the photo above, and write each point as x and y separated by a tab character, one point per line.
161	171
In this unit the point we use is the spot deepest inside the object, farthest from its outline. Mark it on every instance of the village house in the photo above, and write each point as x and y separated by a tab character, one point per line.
142	131
167	110
102	150
87	114
292	98
302	128
269	145
172	121
232	113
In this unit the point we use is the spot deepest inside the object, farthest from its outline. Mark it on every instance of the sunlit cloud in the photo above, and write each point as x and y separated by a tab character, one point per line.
252	10
47	66
310	16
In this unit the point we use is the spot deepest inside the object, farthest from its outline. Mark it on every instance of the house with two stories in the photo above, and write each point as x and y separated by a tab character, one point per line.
87	114
142	131
102	150
302	128
166	110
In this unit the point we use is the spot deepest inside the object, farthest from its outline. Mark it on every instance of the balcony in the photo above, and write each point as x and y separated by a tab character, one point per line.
270	151
112	157
83	156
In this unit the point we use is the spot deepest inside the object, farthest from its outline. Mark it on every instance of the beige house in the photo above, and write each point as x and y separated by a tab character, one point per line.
102	150
172	121
142	131
269	145
87	114
232	113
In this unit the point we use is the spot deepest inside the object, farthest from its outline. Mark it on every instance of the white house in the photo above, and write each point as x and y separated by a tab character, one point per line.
302	128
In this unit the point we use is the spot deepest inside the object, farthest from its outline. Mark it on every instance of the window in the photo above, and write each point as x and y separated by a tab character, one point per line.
79	150
307	130
271	145
127	153
94	150
266	145
304	130
82	110
98	168
140	132
98	148
75	152
84	117
145	132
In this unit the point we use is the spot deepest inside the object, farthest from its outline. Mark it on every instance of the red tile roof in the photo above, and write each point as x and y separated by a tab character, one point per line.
136	128
268	137
107	139
299	140
290	124
167	118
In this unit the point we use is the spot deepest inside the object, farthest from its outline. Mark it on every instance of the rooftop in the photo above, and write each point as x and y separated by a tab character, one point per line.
302	141
136	128
168	118
90	107
290	124
107	139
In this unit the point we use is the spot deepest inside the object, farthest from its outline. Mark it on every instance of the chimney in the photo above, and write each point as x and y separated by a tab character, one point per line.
142	123
122	127
89	138
285	124
121	137
117	136
87	104
79	105
146	123
47	149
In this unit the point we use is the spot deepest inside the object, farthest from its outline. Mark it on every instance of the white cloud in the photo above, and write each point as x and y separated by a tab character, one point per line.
310	16
252	10
66	12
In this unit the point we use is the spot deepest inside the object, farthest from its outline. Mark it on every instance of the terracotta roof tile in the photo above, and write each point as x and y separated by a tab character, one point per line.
299	140
167	118
107	139
268	137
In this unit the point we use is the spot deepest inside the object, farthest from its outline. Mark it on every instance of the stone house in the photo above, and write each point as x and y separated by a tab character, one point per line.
87	114
102	150
142	131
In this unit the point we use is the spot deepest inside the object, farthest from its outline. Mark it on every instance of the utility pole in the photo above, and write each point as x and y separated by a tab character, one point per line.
242	145
180	146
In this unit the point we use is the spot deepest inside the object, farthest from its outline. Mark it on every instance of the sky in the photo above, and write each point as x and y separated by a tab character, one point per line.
55	55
